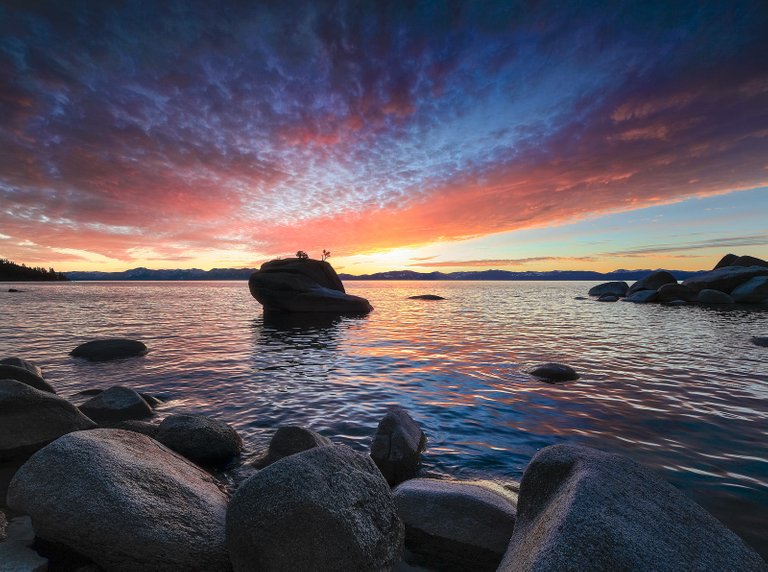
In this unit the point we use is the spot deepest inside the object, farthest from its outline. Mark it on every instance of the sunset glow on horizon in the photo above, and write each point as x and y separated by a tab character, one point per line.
422	136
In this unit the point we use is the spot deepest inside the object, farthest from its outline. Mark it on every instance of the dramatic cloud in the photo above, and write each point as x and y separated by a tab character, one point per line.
145	130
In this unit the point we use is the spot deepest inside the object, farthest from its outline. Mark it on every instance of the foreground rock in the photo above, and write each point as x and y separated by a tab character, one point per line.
653	281
30	419
26	364
327	508
133	505
290	440
397	446
116	404
554	372
105	350
451	524
581	509
25	376
303	285
618	289
725	278
200	439
753	291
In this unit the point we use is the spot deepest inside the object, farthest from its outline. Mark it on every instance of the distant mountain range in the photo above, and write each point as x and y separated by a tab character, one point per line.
244	274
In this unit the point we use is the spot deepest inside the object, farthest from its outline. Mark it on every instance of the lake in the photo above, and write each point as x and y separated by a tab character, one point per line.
679	389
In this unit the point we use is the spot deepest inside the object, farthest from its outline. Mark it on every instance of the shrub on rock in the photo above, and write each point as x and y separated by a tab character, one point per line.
105	350
200	439
582	509
124	501
327	508
30	419
397	445
290	440
456	525
116	404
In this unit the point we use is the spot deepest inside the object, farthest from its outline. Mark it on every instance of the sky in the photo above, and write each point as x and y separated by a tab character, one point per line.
397	135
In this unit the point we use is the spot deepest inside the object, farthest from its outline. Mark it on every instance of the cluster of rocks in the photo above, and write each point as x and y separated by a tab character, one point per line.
130	495
734	280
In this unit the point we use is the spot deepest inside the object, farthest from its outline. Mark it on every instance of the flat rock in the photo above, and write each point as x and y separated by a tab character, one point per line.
671	292
753	291
456	525
105	350
554	372
708	296
642	297
618	289
426	297
760	341
327	508
397	446
26	364
290	440
24	375
582	509
116	404
124	501
653	281
303	285
200	439
30	419
726	278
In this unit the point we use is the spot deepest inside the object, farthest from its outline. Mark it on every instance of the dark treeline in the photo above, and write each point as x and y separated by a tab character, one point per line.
10	272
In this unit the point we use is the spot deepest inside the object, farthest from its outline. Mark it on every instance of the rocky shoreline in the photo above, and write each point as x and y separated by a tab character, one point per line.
104	486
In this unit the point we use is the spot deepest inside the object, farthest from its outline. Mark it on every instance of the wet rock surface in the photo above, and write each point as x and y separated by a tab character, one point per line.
397	446
116	404
201	439
109	349
554	372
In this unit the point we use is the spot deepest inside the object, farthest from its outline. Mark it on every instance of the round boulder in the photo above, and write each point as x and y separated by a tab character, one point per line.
642	297
25	376
753	291
456	525
290	440
760	341
30	419
200	439
554	372
618	289
397	445
124	501
327	508
116	404
26	364
653	281
105	350
671	292
709	296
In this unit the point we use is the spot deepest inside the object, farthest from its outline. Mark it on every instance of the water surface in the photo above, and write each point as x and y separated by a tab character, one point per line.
680	389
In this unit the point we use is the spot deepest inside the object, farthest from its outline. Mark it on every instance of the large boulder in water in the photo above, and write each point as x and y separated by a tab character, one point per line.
116	404
397	445
109	349
124	501
582	509
753	291
618	289
303	285
726	278
200	439
671	292
456	525
30	419
708	296
327	508
24	375
653	281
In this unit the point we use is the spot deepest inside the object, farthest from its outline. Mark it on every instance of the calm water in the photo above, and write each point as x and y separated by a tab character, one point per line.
682	390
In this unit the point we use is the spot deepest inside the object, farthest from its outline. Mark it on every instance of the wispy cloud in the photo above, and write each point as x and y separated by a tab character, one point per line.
713	243
490	263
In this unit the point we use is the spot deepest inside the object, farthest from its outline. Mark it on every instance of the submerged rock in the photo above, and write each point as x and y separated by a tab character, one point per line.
105	350
30	419
554	372
426	297
327	508
456	525
582	509
124	501
116	404
708	296
618	289
653	281
397	445
26	364
290	440
200	439
25	376
760	341
303	285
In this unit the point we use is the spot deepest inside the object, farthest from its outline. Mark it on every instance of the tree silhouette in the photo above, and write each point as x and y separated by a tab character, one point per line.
302	255
326	254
